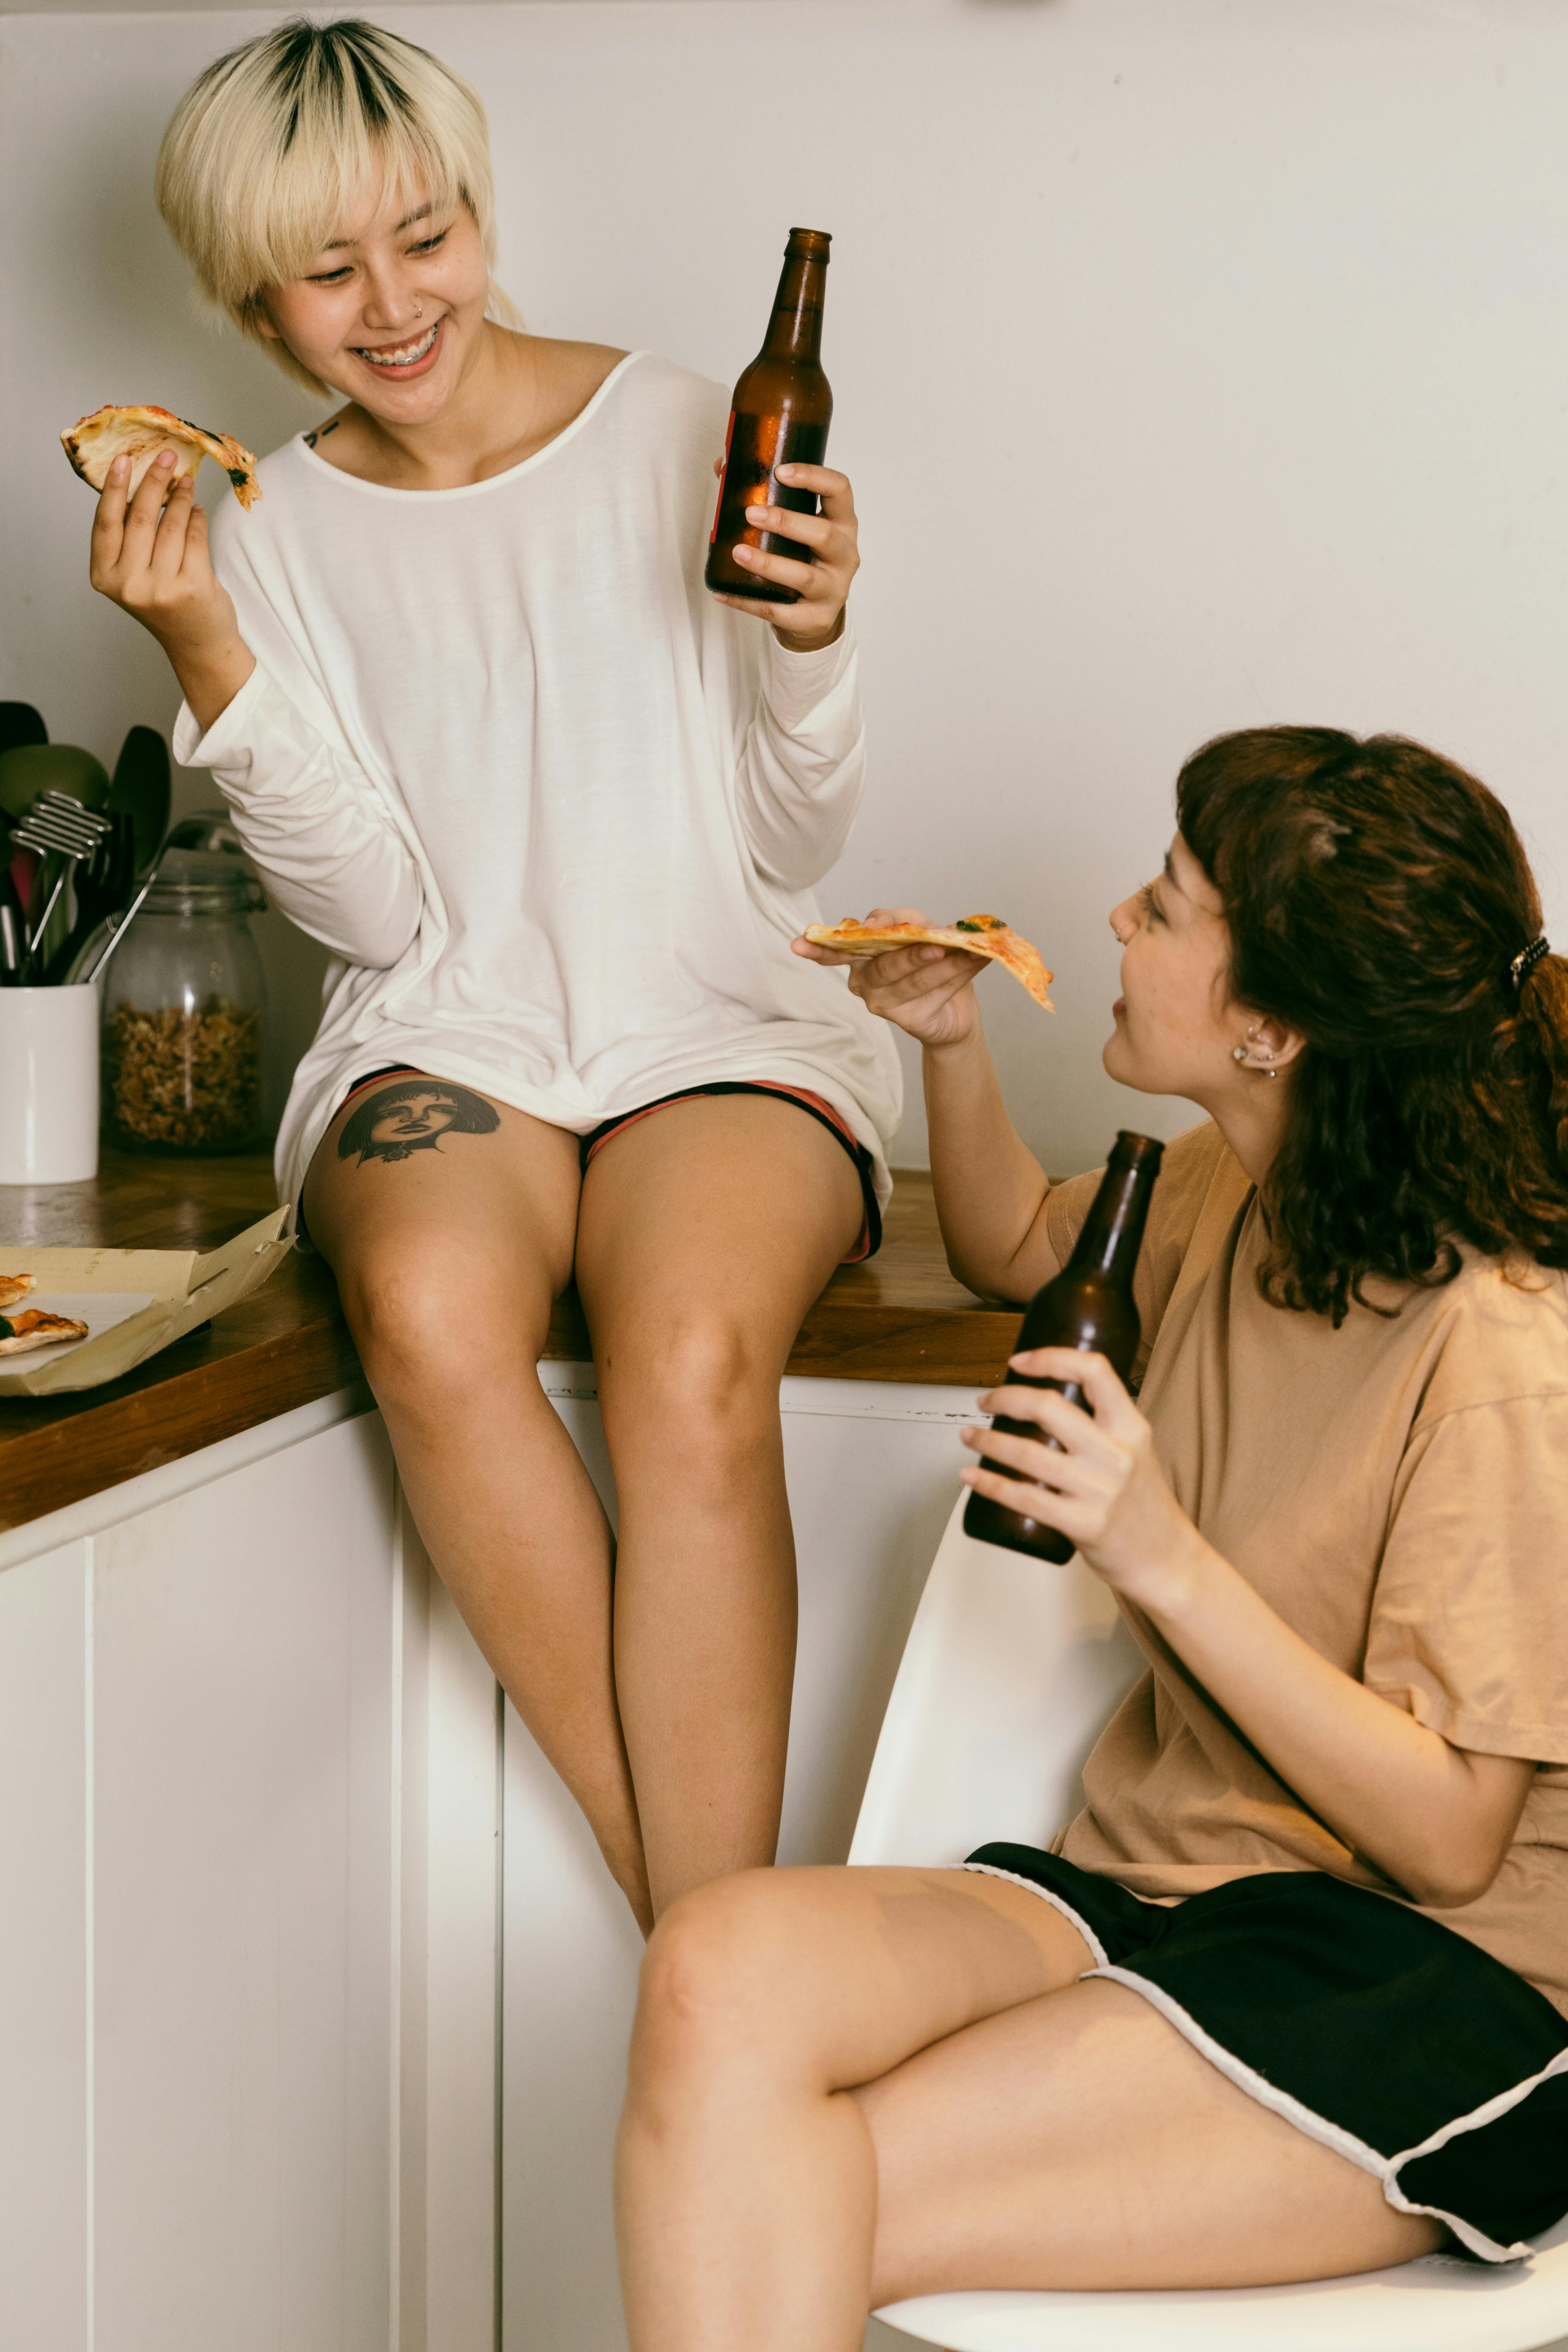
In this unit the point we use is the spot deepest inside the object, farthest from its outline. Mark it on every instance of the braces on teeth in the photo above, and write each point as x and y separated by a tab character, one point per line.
403	352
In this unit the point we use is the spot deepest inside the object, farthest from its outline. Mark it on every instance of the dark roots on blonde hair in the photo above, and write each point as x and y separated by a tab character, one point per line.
1376	896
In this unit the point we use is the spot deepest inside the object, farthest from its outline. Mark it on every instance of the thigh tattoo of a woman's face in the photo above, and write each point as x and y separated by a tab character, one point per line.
413	1115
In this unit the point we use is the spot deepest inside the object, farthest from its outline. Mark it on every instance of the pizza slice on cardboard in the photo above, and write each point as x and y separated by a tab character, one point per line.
12	1288
982	935
34	1329
139	433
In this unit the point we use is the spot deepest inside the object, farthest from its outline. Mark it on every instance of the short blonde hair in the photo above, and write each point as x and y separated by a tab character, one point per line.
271	151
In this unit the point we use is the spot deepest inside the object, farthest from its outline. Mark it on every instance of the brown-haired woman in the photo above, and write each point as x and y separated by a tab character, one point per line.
1289	1998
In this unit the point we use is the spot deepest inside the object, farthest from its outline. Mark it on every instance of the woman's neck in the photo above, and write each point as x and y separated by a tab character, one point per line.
521	393
489	424
1250	1114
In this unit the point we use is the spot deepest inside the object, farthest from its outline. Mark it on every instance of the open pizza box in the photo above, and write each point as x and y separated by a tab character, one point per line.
133	1302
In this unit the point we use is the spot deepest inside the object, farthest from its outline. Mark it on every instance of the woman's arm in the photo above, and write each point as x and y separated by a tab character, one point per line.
327	852
990	1189
1436	1819
329	855
802	766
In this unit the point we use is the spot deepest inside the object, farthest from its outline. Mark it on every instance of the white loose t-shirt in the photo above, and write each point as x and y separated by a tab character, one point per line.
556	810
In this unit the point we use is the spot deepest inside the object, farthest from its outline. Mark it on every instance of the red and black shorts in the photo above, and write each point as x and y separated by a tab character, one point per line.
870	1235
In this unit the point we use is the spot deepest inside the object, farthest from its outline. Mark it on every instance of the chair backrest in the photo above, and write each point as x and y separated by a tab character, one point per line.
1010	1672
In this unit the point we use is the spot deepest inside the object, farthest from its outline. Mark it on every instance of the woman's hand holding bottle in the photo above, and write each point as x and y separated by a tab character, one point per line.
928	991
1104	1489
155	564
820	587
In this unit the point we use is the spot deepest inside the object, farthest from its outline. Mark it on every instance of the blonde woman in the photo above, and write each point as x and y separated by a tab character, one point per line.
557	812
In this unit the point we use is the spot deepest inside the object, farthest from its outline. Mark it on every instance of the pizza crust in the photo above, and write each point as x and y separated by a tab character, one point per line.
12	1288
93	444
19	1333
981	935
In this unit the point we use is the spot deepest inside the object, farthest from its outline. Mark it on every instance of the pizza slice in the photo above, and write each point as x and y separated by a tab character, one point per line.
12	1288
982	935
140	433
36	1329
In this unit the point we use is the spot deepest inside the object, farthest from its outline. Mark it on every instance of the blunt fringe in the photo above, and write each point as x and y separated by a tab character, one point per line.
274	149
1375	896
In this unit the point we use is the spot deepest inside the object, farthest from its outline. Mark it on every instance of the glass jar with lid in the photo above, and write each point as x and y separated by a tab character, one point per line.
185	1004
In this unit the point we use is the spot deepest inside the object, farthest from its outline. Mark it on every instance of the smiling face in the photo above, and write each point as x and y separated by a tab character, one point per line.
419	1115
1176	1024
391	311
1180	1030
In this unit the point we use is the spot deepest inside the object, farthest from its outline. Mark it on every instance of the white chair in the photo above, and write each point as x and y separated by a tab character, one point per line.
1010	1669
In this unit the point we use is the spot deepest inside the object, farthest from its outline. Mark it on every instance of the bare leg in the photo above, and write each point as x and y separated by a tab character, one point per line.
849	2086
447	1260
704	1236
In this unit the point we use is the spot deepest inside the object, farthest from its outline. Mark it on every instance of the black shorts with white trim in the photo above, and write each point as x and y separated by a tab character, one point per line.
1376	2031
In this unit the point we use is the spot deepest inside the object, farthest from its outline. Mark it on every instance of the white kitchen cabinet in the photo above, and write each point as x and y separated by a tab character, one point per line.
249	1840
242	1694
46	1981
314	1993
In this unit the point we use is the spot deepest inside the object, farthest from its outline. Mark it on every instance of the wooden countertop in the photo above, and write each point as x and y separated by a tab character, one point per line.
899	1317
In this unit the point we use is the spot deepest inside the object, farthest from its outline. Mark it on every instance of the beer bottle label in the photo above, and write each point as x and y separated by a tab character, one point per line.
719	503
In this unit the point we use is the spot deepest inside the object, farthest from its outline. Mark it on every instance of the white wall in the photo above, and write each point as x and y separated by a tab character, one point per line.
1197	365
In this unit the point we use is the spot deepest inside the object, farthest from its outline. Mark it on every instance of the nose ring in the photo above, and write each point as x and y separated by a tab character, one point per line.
419	309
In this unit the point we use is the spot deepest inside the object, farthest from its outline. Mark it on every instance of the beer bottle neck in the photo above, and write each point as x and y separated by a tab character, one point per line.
1113	1232
794	330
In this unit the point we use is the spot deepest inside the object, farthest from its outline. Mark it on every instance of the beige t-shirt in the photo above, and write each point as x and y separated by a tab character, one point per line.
1397	1491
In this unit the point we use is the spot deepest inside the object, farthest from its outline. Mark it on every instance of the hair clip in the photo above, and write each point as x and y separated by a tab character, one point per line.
1525	961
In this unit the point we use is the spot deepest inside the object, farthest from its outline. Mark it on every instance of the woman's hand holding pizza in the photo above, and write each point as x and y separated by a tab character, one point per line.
833	536
927	991
150	556
1104	1489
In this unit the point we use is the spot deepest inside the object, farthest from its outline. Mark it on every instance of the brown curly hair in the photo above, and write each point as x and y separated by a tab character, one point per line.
1376	896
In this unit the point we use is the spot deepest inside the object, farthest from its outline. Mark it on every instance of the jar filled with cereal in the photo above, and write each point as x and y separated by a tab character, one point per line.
184	1007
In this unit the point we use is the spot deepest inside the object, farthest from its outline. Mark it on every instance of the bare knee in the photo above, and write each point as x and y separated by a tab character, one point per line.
704	1367
436	1320
702	1394
709	1999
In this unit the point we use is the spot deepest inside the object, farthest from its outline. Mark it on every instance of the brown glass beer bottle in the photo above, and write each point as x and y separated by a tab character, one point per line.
779	416
1090	1305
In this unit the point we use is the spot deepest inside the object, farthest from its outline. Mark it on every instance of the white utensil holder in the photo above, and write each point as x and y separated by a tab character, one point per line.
48	1085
